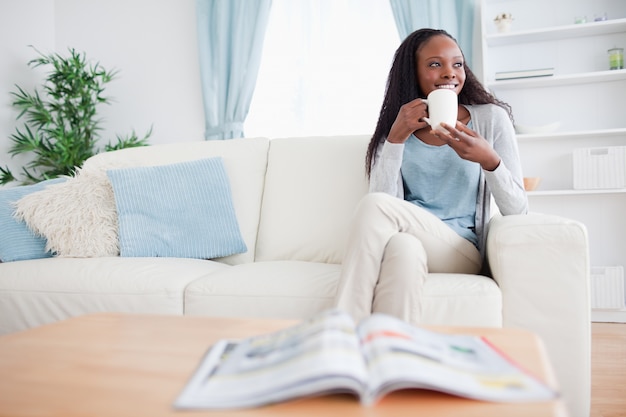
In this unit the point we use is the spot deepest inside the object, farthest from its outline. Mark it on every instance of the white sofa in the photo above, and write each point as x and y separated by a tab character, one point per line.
294	198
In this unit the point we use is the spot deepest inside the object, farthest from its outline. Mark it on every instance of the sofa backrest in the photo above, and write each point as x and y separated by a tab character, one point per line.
245	161
312	186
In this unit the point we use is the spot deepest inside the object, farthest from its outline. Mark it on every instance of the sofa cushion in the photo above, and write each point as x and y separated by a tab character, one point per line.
311	189
245	161
18	241
461	300
180	210
77	217
297	290
42	291
283	289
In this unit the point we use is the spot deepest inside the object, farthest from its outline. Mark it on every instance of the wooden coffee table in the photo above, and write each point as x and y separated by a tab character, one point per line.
135	365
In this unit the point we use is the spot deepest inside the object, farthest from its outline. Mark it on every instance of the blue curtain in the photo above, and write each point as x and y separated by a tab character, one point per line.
230	41
454	16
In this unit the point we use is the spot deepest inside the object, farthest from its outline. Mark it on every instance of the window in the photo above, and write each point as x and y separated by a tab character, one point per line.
324	68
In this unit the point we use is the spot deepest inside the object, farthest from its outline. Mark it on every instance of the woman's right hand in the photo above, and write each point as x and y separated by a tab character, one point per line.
408	120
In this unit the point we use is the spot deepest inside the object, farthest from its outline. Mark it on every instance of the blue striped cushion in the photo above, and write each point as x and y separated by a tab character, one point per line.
17	241
182	210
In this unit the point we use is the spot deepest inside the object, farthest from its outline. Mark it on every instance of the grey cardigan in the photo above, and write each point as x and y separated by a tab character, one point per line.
505	183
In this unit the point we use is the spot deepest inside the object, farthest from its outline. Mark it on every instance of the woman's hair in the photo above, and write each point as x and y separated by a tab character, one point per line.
403	87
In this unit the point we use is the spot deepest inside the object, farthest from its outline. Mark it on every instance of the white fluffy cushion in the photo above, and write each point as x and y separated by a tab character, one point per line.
78	217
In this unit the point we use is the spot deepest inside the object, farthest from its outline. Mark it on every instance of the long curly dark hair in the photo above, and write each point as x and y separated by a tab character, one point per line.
403	87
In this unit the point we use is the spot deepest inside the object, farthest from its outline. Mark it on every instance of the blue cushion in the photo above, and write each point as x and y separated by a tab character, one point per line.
17	241
181	210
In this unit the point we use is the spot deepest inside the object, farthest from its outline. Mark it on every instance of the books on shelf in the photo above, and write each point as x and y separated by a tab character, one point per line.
329	353
532	73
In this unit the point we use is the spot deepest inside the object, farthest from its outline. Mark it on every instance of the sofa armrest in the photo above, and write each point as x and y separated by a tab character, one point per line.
541	263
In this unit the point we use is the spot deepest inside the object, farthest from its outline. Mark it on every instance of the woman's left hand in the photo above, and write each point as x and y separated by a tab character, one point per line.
469	145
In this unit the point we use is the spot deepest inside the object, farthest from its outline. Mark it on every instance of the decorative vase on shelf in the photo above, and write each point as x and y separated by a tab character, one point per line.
503	22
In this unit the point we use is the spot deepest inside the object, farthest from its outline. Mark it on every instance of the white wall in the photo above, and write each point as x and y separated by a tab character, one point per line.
151	42
22	23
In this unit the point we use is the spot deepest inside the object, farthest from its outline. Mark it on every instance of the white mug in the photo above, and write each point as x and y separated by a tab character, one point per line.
443	106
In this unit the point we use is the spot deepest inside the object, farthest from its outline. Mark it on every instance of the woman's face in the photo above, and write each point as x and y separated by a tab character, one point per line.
440	65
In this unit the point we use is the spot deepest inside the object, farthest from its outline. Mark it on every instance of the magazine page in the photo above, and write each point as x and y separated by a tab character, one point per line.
318	356
403	356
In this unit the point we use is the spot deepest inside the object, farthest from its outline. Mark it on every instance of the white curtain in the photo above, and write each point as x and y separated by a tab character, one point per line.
324	68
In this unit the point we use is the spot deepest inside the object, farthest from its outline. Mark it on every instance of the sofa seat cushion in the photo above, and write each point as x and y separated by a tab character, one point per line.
278	289
41	291
297	290
462	300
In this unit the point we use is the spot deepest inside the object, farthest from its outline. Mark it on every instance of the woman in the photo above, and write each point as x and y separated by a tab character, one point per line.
430	190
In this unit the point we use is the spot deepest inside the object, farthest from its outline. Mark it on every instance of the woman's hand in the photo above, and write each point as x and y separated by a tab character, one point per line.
408	120
469	145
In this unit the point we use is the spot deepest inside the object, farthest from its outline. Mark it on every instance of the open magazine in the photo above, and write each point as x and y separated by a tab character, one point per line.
329	353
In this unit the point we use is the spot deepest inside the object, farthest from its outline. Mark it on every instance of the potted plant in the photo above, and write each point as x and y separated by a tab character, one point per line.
503	22
61	128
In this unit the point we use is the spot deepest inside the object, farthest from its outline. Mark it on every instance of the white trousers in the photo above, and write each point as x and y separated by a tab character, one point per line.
392	246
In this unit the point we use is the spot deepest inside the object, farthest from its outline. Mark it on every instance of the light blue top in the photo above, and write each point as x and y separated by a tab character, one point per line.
504	183
437	179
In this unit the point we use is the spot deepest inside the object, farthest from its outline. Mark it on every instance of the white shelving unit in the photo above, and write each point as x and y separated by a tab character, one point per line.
560	80
586	99
557	32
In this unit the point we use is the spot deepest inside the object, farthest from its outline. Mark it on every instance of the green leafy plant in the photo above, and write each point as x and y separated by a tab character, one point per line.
61	129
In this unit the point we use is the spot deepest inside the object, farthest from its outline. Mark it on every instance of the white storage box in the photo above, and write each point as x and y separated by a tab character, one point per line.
607	287
596	168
